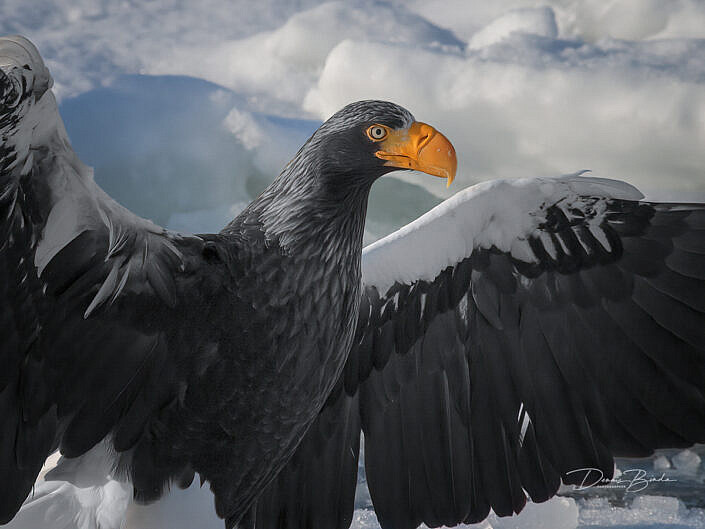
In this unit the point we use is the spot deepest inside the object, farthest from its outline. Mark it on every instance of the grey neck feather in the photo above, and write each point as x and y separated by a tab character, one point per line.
298	210
317	202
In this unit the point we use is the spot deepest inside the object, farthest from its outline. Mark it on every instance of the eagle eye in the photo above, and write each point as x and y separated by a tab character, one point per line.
377	132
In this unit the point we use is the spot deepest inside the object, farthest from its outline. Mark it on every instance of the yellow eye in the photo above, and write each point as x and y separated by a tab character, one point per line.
377	132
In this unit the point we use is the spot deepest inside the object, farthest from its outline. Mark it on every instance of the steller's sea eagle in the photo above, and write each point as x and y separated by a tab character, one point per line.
517	333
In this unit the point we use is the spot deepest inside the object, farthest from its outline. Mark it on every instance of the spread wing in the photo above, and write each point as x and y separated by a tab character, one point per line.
97	304
518	335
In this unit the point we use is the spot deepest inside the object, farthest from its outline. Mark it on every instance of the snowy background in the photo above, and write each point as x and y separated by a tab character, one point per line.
188	109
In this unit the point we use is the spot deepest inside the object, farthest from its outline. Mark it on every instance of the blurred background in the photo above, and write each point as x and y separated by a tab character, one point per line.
186	110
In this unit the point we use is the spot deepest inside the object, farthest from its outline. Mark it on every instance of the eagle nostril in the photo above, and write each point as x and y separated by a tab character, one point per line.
424	135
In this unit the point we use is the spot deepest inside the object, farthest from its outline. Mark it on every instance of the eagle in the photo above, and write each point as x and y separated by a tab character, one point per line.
519	335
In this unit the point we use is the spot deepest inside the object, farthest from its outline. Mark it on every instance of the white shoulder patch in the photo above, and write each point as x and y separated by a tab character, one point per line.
499	213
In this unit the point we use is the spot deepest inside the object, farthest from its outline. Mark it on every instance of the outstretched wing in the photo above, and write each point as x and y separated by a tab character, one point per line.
520	334
94	300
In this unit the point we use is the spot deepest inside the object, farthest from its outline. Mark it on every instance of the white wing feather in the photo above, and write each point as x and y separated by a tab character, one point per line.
499	213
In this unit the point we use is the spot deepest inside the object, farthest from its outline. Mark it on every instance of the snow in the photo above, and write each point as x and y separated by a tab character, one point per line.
661	463
522	87
687	461
167	146
558	512
188	109
283	64
529	21
644	511
587	20
653	512
532	105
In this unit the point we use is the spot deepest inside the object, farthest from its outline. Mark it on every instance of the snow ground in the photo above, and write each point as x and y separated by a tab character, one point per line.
188	109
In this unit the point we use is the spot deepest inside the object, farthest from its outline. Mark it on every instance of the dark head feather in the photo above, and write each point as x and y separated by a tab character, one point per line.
332	173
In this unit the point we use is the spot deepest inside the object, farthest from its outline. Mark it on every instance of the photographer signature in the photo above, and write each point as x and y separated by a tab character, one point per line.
631	480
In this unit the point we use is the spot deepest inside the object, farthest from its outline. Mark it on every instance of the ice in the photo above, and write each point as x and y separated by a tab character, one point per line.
364	519
675	505
209	220
245	128
86	43
687	461
661	463
532	105
159	146
637	19
190	155
522	87
532	21
283	64
168	146
557	513
588	20
271	140
644	511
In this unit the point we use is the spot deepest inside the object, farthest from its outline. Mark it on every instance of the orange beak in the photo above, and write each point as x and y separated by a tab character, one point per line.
421	148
